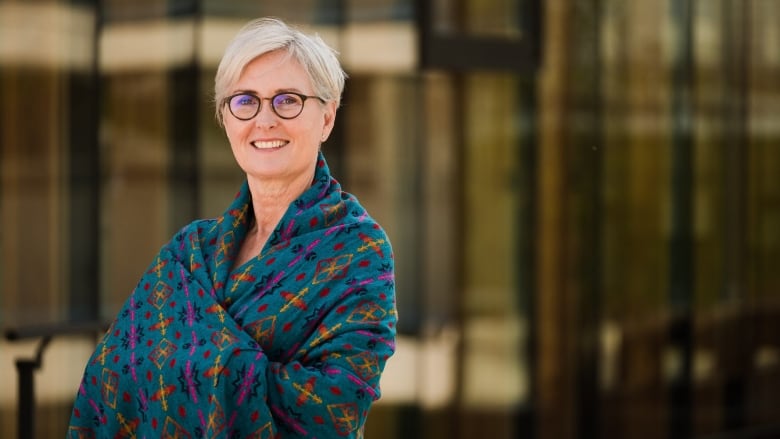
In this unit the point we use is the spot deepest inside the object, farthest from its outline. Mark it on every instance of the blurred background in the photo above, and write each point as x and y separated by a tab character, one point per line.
582	196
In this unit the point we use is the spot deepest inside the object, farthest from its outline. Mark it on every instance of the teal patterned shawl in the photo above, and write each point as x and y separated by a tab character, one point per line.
290	344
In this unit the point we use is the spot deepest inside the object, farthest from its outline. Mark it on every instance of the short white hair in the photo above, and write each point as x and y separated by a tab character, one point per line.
264	35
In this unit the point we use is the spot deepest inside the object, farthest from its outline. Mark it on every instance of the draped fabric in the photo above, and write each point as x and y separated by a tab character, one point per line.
290	344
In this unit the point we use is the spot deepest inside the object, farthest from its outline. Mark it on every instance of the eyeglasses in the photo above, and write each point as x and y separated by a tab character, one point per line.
287	105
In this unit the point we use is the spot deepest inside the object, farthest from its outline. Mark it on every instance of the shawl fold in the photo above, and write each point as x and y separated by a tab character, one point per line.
290	344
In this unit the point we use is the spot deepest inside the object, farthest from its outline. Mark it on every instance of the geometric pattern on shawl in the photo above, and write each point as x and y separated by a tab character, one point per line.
290	344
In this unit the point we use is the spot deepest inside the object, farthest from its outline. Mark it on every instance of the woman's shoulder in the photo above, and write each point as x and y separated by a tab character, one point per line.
356	221
200	227
193	234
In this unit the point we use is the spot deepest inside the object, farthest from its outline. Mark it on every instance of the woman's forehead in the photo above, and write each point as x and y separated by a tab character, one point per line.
274	70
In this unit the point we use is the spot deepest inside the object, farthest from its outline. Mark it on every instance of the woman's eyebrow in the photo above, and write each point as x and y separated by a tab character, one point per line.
275	92
242	91
288	90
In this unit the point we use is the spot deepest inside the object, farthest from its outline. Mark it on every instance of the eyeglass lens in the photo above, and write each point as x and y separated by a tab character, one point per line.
285	105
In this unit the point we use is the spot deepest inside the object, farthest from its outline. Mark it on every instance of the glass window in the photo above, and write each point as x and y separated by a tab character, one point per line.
585	247
135	194
479	18
495	332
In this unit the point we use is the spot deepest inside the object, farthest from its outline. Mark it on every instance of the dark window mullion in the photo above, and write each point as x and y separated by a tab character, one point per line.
183	116
84	104
461	51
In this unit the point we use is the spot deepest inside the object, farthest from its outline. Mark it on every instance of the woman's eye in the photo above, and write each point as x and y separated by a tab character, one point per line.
286	100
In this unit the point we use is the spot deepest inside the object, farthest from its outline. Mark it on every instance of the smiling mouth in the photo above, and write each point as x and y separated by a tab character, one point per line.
275	144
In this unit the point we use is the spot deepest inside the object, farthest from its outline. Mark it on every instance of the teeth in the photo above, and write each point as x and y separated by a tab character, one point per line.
269	145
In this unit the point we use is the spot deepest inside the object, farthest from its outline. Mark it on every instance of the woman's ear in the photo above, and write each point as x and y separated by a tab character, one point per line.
329	120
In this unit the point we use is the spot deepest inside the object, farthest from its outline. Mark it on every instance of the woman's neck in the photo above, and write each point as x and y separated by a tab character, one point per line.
271	199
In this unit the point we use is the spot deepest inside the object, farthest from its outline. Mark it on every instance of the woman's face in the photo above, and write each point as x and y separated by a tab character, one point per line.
267	147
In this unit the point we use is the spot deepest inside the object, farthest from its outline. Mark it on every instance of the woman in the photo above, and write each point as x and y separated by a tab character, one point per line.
276	318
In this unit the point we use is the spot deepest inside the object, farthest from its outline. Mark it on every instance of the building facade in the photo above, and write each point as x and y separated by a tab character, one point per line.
581	195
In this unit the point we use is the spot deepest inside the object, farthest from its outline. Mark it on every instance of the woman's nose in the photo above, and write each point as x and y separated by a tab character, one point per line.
266	116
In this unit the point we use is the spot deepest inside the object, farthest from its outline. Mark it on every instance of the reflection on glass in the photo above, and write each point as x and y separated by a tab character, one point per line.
435	156
495	333
478	18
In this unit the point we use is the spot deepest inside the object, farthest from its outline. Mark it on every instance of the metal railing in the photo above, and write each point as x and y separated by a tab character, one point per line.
26	367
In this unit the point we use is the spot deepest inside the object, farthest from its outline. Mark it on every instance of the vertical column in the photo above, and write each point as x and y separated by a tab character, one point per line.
555	405
681	267
84	105
736	288
184	104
